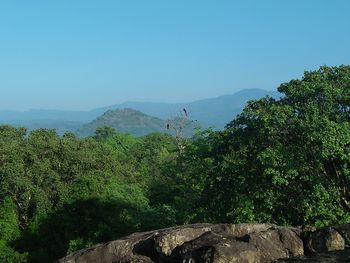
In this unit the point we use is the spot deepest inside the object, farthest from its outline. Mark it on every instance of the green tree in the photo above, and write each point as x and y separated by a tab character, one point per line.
9	232
105	132
286	161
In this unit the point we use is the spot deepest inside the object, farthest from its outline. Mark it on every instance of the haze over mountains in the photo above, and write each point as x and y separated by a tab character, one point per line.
215	112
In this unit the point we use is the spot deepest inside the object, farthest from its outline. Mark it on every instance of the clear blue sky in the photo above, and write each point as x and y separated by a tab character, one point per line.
81	54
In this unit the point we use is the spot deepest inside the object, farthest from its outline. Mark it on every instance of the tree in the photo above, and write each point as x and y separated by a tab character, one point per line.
9	232
105	132
182	127
283	161
287	161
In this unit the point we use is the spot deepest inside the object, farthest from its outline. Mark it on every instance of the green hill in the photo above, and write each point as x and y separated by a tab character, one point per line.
125	120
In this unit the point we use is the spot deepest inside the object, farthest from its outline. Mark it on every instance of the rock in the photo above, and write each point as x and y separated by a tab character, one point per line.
327	257
221	243
136	259
166	242
245	229
242	243
120	250
324	240
344	231
198	243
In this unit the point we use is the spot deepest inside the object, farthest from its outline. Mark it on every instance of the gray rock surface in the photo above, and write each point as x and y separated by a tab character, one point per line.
325	257
325	240
221	243
198	243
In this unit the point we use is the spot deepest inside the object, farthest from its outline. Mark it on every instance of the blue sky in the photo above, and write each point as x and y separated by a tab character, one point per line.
82	54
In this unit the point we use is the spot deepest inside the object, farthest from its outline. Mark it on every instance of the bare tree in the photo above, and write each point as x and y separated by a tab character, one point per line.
178	125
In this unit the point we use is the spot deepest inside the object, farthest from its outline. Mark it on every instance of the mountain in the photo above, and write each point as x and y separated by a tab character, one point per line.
219	111
139	124
125	120
215	112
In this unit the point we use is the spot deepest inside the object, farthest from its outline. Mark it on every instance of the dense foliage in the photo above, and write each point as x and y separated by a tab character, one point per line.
285	161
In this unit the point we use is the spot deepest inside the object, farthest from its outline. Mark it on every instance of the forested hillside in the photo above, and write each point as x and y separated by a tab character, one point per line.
140	124
124	120
283	161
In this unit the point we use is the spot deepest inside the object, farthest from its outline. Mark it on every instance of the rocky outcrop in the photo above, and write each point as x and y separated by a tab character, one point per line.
324	240
219	243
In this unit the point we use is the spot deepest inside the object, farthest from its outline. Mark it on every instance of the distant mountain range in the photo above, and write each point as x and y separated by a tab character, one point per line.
215	112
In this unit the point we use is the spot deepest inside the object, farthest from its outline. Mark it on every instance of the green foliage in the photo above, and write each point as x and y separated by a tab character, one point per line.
285	161
105	132
92	190
9	232
77	244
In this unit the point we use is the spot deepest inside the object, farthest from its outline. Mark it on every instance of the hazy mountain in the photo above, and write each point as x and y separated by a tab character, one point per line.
137	123
208	112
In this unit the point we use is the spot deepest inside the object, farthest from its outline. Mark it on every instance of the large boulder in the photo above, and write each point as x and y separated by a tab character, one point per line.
221	243
341	256
263	245
324	240
198	243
